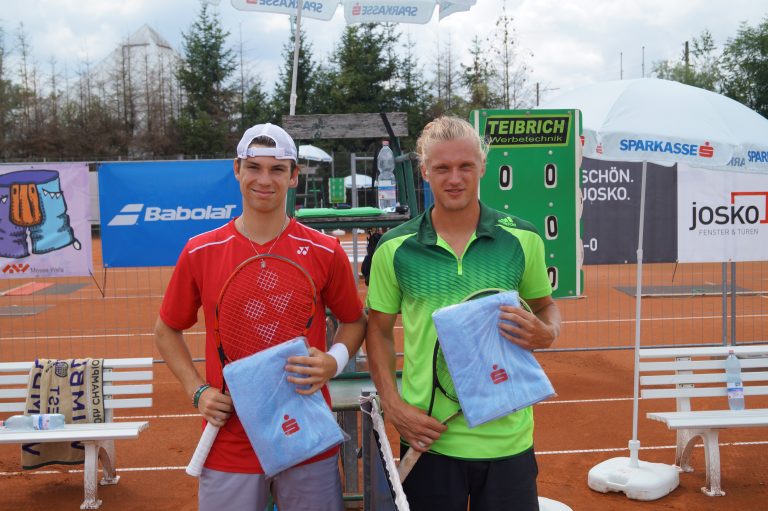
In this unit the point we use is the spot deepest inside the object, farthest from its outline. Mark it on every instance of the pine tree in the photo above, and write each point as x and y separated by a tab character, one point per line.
304	77
205	120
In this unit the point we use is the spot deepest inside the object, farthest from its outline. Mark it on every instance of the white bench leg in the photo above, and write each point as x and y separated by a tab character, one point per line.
103	451
712	455
684	449
90	474
107	459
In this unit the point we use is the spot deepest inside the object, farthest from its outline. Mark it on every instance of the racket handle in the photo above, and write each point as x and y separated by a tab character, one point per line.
412	456
195	467
407	462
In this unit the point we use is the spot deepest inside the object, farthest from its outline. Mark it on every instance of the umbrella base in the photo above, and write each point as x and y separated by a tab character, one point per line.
646	481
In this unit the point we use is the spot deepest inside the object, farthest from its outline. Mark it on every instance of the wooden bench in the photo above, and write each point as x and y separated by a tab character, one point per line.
119	379
687	374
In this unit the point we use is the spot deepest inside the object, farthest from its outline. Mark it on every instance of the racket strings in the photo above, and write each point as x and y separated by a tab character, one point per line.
263	305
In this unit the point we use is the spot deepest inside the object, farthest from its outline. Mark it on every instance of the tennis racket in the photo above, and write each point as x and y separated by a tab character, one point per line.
441	379
266	301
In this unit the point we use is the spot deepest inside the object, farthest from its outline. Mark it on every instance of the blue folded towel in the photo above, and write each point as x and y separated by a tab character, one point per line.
493	377
284	427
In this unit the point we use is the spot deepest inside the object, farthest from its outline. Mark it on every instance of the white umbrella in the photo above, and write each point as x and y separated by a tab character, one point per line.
361	181
663	122
313	153
355	11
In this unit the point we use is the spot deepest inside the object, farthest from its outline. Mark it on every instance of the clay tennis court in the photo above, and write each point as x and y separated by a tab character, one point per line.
589	421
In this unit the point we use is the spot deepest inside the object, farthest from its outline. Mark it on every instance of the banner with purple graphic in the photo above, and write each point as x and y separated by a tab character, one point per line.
44	228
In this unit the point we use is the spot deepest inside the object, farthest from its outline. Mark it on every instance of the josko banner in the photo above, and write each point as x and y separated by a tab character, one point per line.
721	216
44	228
150	209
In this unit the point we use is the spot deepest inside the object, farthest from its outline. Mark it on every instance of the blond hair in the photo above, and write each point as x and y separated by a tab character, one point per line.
444	129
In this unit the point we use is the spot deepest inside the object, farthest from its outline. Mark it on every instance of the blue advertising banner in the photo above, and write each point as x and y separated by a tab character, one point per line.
150	209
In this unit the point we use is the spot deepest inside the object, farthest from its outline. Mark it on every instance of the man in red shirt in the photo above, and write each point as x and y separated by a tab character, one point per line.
265	168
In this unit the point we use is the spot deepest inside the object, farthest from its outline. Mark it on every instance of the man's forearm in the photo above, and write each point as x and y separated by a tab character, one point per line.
174	351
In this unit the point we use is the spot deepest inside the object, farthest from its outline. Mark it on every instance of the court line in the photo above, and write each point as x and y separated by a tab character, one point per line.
538	453
398	327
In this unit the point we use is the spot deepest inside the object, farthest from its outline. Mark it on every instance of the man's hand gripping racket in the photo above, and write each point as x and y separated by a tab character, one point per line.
441	379
267	300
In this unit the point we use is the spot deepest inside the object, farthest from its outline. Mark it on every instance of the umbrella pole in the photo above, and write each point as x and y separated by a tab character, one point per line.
634	444
296	45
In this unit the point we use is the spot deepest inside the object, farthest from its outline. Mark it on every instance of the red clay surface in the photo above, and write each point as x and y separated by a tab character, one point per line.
588	422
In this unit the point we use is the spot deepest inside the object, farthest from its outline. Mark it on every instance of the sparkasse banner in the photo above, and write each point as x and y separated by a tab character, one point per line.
721	216
150	209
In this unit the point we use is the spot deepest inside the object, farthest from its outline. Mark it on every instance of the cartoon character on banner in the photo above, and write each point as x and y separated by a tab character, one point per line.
32	204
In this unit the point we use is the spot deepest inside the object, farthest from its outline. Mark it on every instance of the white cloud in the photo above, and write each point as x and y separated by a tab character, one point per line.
573	42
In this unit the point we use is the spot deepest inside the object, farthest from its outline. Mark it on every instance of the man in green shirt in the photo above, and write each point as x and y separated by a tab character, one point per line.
436	259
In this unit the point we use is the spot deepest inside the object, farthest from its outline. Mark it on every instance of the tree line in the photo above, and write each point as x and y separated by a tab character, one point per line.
198	102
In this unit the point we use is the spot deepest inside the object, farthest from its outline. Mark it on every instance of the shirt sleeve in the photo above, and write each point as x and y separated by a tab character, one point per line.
182	297
384	293
340	292
535	282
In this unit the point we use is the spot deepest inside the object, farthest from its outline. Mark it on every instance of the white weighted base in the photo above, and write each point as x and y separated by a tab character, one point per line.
646	481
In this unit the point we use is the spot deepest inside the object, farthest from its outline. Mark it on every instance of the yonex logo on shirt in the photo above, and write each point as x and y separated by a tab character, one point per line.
303	250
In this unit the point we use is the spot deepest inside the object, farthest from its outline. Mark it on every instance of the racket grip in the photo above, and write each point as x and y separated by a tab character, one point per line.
195	467
407	462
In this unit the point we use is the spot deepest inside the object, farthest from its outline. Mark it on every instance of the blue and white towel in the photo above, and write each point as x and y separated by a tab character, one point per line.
493	377
284	427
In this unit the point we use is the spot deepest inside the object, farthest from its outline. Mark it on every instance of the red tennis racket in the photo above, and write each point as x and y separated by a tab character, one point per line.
266	301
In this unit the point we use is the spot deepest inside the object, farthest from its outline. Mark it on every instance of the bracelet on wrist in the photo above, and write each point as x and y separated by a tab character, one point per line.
199	392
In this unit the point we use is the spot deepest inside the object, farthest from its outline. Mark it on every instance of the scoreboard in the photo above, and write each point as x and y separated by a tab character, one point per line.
533	172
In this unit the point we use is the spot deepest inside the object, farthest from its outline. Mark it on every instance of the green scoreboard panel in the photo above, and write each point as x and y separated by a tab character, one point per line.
336	190
533	172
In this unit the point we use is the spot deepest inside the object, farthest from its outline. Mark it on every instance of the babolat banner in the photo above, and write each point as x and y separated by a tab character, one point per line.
150	209
532	172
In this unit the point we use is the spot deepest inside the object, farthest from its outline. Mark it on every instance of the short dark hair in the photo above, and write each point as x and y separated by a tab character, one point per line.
265	141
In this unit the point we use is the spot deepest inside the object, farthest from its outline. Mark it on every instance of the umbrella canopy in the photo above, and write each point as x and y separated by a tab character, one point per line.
312	153
361	181
660	121
663	121
355	11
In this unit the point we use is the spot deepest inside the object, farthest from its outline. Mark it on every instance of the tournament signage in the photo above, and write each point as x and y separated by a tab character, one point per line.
721	216
611	191
527	130
44	227
389	11
316	9
532	172
150	209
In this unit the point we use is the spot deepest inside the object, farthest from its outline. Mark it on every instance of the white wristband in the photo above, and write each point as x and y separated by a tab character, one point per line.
341	354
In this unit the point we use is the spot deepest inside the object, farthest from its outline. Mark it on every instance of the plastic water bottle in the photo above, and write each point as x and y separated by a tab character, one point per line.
387	194
733	382
35	421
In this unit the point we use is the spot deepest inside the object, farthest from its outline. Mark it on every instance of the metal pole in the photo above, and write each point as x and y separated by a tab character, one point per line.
724	307
296	45
733	304
353	166
634	444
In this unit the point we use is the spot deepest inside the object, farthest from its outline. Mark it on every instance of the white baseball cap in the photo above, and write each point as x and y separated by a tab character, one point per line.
285	148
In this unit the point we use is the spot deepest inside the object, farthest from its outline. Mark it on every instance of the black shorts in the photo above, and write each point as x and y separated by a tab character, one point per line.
445	483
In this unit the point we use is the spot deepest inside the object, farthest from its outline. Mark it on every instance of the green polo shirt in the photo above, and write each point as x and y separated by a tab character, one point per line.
415	272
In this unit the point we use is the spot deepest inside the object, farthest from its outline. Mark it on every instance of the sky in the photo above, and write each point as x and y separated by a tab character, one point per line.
568	43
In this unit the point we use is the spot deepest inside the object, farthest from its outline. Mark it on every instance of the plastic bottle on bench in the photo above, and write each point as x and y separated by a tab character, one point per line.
34	421
387	184
733	382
